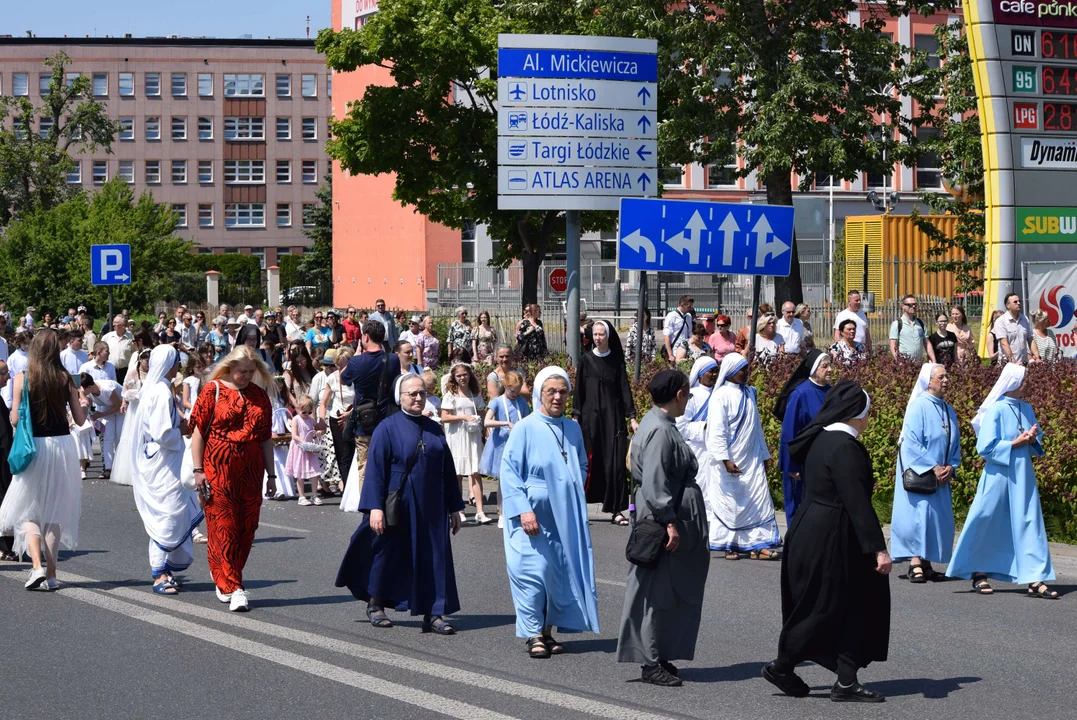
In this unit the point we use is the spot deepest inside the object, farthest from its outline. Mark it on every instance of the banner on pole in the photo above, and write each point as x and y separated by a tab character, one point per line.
1052	288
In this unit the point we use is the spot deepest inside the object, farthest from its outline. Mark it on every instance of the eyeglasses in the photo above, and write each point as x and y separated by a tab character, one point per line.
555	393
910	304
415	394
351	312
722	325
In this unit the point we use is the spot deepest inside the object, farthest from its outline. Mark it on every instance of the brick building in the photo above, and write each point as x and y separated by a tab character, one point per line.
230	132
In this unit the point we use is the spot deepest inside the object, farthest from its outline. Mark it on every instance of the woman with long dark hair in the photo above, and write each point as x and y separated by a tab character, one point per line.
300	371
602	402
44	501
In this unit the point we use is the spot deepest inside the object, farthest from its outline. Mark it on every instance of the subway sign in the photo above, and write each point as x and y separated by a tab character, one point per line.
1047	224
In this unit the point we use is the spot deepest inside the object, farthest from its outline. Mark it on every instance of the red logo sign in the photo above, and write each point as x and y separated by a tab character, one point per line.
1025	116
559	280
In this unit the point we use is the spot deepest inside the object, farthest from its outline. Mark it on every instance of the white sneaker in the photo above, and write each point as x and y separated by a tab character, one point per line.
303	502
37	579
223	597
500	522
317	500
239	602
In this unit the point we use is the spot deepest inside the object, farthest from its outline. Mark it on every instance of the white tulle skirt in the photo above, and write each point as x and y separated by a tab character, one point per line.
48	493
84	437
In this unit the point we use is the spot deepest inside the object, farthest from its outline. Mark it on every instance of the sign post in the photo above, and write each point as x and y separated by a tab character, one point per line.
705	237
559	280
110	265
577	130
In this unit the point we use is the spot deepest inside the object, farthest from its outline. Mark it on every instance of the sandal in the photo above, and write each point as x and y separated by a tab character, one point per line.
437	624
8	556
167	587
619	519
536	647
981	586
732	555
378	618
769	555
1040	590
551	643
917	576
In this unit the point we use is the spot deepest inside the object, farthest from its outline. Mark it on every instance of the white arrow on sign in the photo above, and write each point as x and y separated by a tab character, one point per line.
766	248
694	230
728	227
638	242
122	277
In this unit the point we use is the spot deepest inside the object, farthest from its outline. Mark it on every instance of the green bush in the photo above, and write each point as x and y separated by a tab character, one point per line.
235	269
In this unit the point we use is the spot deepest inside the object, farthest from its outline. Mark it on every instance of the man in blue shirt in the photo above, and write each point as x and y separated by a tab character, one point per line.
371	374
387	321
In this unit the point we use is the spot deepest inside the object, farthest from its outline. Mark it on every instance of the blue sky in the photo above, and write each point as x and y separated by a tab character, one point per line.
212	18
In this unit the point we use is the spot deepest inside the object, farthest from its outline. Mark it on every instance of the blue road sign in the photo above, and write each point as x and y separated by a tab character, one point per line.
578	64
705	237
110	264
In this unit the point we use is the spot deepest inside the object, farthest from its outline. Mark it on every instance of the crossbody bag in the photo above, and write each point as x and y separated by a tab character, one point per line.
922	483
392	500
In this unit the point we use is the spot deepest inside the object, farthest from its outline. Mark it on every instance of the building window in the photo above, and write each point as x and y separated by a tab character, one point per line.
310	86
127	171
722	175
308	210
179	172
20	85
930	45
205	172
153	172
44	125
74	174
127	128
244	128
100	172
179	84
100	84
71	77
284	85
239	172
929	167
329	86
205	216
43	80
310	171
284	171
205	128
310	128
284	128
259	253
153	84
179	127
672	176
153	128
127	84
284	215
181	214
205	85
245	215
244	85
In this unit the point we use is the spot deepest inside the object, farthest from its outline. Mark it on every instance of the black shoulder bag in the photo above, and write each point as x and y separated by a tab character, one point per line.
365	414
392	500
647	539
922	483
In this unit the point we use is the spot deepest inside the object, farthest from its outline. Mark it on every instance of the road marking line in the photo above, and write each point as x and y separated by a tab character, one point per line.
609	582
575	703
290	660
282	527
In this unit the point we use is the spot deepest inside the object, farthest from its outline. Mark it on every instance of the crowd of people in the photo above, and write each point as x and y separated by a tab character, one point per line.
205	425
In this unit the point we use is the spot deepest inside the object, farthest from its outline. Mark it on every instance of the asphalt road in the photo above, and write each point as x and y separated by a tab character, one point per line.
104	646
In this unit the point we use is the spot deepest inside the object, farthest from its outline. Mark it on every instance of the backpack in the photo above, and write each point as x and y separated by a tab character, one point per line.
916	321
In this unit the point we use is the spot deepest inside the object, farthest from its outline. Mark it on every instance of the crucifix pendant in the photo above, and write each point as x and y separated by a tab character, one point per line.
564	456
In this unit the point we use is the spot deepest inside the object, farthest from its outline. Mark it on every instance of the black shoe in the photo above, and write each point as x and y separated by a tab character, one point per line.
788	682
657	675
670	668
856	693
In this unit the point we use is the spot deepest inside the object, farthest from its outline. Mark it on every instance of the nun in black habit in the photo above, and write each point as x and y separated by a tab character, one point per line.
602	403
835	589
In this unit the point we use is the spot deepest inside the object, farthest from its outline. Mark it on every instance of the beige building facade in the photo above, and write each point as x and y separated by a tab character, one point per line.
230	132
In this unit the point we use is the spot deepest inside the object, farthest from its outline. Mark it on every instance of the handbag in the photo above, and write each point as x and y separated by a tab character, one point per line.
392	500
365	414
645	543
921	483
23	450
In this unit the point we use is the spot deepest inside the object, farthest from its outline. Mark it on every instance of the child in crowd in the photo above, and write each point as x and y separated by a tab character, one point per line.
505	411
432	409
303	454
282	441
460	417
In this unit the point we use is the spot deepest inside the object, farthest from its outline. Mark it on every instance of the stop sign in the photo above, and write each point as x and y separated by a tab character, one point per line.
559	280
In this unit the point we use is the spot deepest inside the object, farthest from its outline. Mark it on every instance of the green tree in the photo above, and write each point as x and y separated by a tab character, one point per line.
959	147
435	127
317	262
34	165
45	253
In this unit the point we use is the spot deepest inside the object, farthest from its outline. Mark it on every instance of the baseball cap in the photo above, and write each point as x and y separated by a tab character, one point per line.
271	313
416	319
82	308
248	307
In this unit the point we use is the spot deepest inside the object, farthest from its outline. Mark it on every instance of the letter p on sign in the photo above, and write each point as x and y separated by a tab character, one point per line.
110	264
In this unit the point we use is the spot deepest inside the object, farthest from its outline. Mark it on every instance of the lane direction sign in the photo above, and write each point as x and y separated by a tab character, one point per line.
705	237
574	122
110	264
558	92
559	151
576	181
581	63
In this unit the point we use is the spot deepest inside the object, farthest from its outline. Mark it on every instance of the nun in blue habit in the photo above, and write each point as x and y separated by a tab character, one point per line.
922	524
547	541
408	566
1003	537
797	405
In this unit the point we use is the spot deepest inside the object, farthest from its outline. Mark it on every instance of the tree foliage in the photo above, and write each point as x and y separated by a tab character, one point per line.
316	265
34	166
45	253
959	147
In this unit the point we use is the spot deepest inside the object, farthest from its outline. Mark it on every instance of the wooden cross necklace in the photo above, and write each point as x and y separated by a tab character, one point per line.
560	440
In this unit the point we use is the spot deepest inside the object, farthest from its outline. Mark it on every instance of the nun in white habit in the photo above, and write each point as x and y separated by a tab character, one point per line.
740	511
693	424
170	511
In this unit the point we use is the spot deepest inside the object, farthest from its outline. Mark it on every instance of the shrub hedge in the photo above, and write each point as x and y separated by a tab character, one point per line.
1053	397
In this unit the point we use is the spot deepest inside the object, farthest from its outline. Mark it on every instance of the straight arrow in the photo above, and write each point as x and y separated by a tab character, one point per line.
643	180
644	122
728	227
643	94
638	242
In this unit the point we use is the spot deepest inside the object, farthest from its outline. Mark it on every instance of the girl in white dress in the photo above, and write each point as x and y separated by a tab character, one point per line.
282	439
460	417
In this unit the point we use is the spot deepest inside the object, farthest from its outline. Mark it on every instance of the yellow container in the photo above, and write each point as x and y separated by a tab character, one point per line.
894	248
